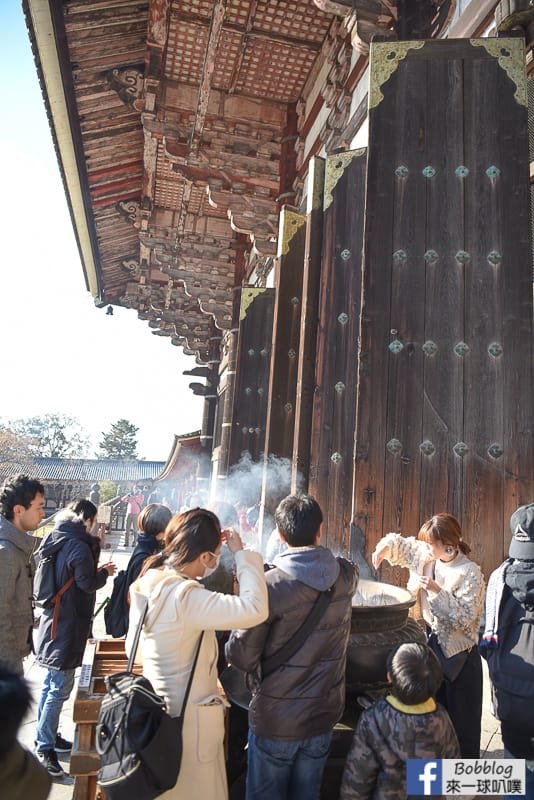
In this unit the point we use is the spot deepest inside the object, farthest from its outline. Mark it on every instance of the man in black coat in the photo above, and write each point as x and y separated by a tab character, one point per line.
66	625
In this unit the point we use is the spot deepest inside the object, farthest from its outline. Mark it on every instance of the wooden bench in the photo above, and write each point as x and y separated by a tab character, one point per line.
101	657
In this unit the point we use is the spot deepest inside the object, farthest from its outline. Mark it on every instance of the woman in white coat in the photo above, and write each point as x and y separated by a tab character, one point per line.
179	609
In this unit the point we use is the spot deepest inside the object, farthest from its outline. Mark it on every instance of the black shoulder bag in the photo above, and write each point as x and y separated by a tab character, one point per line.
139	743
236	683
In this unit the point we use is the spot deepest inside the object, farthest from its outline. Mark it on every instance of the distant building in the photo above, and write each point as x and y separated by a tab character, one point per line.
68	478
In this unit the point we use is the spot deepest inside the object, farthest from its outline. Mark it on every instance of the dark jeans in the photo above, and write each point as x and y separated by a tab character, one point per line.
57	687
463	700
281	770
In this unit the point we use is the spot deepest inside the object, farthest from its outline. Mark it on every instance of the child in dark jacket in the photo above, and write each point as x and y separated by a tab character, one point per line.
408	723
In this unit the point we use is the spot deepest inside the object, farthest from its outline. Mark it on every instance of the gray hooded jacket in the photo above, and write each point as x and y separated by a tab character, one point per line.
17	567
304	697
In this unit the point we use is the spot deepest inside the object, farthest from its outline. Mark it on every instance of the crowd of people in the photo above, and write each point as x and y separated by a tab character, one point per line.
252	615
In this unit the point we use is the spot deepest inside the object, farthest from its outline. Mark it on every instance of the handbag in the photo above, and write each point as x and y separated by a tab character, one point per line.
451	666
240	686
139	743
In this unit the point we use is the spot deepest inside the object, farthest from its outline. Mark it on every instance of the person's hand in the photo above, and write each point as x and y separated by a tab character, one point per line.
110	568
379	554
428	584
232	539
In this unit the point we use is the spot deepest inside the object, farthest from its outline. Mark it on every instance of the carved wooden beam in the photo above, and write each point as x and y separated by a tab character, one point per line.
157	35
212	47
400	19
514	14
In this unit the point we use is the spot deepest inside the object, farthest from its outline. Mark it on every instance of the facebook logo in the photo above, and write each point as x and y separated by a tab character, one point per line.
423	777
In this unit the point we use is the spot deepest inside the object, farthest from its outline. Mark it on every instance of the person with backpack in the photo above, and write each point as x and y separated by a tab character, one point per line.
181	613
72	553
507	643
298	686
152	522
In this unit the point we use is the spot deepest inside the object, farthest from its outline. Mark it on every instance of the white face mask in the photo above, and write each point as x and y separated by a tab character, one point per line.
210	570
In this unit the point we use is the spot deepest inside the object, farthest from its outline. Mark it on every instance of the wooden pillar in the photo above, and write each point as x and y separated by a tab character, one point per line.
226	399
280	423
311	282
444	418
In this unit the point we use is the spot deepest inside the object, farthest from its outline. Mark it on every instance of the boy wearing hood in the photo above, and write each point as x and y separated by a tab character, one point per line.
295	707
65	627
508	643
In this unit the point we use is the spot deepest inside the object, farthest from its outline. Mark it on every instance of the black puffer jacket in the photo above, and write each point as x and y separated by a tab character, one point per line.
305	697
78	557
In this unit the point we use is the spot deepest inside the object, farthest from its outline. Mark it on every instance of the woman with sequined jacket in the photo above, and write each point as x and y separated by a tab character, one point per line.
452	596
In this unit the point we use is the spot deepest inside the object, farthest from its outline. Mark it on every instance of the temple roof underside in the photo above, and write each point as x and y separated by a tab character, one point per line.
185	121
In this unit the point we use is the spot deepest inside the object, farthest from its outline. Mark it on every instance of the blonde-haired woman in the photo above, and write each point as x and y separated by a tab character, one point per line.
452	597
179	610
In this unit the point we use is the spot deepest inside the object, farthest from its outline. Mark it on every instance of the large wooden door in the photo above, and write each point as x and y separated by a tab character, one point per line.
444	417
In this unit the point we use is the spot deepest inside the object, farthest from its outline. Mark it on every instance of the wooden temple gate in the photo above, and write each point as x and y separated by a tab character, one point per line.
410	390
445	406
381	341
387	355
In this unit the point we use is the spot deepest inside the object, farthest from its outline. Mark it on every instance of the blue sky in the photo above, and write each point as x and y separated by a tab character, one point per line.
61	354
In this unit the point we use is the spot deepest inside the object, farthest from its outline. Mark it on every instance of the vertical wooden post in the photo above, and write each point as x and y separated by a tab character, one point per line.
280	424
226	407
311	283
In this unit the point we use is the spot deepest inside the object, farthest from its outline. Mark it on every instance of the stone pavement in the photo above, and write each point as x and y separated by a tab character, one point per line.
62	789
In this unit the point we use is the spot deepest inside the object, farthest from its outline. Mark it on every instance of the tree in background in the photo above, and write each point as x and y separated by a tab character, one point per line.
15	451
108	491
52	436
120	442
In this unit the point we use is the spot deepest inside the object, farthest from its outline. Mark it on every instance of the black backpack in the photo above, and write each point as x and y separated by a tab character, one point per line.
511	665
45	588
117	609
139	743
